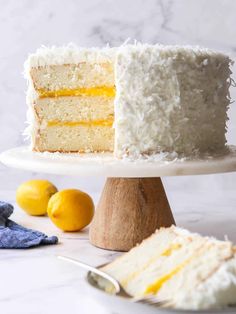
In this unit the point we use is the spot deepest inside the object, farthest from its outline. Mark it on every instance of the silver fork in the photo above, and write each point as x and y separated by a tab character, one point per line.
117	288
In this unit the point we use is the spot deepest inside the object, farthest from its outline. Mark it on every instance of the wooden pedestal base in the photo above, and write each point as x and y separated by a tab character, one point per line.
129	210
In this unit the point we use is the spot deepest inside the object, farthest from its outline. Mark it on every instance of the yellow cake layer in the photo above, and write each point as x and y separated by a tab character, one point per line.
72	76
107	122
79	138
75	108
82	91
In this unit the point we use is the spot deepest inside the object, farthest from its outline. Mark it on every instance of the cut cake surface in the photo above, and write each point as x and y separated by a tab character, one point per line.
71	95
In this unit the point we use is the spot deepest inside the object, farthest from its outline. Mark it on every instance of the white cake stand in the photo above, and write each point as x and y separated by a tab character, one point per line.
133	203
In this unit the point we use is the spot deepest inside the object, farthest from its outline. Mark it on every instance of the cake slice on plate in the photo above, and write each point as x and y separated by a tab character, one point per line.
191	271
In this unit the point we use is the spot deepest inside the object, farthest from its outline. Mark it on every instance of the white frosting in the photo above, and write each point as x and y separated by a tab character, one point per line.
70	54
216	292
30	131
170	98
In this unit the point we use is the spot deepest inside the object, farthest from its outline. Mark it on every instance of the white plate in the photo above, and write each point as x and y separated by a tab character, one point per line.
104	164
122	305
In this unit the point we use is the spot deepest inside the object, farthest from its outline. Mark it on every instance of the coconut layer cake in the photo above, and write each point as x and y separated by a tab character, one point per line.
132	100
188	270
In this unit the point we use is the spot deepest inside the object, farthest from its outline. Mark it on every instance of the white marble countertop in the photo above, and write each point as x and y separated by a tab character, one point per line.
35	281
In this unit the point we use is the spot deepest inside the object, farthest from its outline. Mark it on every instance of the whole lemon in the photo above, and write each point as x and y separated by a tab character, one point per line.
71	210
33	196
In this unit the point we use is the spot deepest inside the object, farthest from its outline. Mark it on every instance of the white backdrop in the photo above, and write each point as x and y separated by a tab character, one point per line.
28	24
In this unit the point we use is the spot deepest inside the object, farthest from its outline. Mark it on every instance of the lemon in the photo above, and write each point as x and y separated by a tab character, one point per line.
33	196
71	210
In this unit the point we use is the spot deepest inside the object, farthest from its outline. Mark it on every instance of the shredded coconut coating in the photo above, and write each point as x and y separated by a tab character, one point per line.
217	292
170	99
70	54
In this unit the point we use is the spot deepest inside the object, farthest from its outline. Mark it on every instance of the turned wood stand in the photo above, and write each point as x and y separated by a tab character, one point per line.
129	210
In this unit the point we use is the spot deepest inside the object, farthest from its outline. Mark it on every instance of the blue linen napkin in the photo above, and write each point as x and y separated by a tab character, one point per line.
14	236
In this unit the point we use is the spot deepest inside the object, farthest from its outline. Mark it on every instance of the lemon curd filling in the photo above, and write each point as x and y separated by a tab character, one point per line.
107	122
82	91
156	286
173	247
167	252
